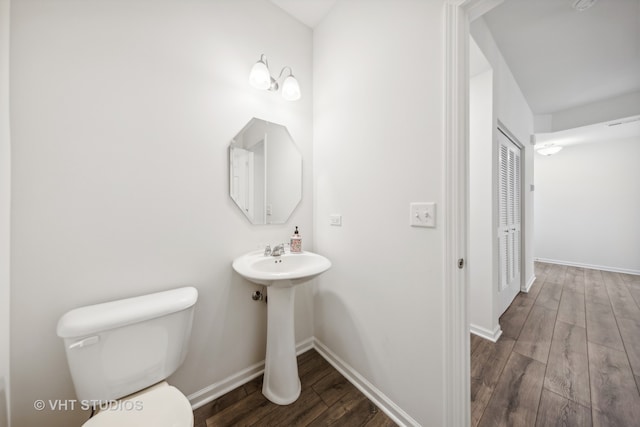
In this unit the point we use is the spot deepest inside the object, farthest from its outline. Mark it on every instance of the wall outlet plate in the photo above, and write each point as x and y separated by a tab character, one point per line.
422	214
335	219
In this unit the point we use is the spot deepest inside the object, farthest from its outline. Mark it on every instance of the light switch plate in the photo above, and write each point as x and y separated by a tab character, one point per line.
335	219
422	214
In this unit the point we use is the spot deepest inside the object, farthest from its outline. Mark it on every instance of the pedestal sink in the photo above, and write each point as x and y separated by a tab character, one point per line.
281	383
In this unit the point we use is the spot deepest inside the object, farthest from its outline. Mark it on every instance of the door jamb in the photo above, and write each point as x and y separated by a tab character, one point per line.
456	353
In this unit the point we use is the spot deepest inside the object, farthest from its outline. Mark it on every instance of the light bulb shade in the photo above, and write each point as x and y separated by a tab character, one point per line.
260	78
290	89
549	150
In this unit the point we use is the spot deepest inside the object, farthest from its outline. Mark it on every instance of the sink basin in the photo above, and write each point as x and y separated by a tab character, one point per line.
285	270
281	383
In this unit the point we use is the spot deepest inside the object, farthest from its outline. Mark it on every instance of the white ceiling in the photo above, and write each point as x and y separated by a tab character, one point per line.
608	131
562	58
309	12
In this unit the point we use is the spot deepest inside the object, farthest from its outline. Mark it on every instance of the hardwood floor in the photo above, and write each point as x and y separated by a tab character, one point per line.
569	354
327	398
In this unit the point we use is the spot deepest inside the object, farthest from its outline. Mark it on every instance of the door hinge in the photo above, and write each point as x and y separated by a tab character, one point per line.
461	263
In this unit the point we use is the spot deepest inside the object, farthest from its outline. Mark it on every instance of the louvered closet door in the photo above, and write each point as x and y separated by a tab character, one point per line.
509	184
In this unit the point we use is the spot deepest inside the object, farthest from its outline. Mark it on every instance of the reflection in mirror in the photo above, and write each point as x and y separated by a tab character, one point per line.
265	172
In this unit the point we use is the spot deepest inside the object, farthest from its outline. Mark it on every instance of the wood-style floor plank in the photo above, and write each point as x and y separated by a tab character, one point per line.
557	411
512	320
568	367
245	412
200	415
601	325
474	342
300	413
635	293
313	369
556	274
549	295
630	331
595	290
536	286
575	279
326	398
623	303
591	374
631	278
332	387
380	419
487	363
614	395
515	400
353	409
535	338
571	309
541	268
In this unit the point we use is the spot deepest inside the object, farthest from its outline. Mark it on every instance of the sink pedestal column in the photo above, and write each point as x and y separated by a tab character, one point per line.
281	383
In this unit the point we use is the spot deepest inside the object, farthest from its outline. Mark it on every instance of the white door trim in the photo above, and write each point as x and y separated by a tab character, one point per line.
457	403
457	373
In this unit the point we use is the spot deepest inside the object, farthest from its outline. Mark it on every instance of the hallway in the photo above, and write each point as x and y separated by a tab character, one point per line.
569	354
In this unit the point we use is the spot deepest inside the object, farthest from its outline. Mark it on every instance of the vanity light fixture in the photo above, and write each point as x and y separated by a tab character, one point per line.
260	78
548	149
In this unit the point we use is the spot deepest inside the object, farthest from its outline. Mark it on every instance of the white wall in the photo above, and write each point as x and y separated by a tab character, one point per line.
514	113
122	113
378	145
618	107
5	202
587	205
483	296
494	97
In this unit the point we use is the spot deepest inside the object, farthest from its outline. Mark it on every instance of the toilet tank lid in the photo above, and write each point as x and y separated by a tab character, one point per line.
109	315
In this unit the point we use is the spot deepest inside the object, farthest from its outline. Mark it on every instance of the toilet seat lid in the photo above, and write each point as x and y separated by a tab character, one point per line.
159	406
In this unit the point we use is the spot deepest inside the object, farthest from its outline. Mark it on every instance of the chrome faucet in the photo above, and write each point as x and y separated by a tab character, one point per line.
267	250
278	250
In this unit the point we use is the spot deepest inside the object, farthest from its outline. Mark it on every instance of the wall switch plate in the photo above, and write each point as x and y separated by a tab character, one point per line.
422	214
335	219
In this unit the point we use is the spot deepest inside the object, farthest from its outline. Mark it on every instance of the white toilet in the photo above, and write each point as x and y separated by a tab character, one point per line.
120	352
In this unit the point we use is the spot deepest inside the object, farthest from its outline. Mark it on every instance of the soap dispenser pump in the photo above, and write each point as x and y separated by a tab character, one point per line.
296	242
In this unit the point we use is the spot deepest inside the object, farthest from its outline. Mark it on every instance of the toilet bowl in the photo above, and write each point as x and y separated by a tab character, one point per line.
120	353
161	405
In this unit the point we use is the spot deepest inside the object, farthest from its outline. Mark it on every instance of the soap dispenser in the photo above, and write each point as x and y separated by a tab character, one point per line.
296	242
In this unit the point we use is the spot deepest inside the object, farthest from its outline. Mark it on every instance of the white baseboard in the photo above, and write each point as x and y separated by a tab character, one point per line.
214	391
486	333
224	386
372	392
590	266
527	287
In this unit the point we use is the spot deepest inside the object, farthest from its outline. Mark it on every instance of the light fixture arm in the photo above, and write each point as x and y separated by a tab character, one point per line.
282	71
275	83
261	78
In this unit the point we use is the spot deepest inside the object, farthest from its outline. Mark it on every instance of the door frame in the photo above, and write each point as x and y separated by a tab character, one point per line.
457	358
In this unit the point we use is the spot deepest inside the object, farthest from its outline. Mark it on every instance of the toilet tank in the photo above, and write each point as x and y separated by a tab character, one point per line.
120	347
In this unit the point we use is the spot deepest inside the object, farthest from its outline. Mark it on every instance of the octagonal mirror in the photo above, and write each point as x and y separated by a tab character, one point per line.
265	172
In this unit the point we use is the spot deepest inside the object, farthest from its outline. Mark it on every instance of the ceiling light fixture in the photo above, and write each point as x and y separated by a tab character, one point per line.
260	78
548	149
582	5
